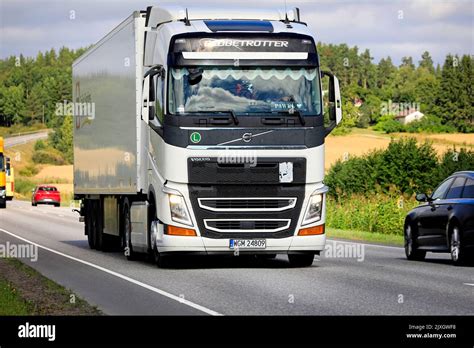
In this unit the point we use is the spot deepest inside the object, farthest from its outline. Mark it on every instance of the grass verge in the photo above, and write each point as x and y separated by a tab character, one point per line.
363	236
24	291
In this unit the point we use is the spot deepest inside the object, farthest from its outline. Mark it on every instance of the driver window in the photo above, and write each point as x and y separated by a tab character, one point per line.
440	192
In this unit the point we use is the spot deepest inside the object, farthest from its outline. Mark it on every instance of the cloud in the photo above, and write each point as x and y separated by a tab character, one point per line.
441	27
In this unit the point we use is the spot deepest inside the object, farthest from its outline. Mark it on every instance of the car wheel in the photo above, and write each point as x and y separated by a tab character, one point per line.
411	251
458	253
301	260
57	205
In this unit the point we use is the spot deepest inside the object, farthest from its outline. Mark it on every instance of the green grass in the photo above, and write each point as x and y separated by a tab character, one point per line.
11	302
50	298
363	236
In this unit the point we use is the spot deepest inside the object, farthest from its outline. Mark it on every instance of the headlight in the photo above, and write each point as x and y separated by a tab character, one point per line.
179	210
314	209
2	193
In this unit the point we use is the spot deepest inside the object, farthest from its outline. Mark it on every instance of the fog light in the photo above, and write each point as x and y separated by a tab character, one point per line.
179	231
311	231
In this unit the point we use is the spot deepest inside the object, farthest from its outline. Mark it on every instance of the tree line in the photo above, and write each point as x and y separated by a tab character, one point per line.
31	87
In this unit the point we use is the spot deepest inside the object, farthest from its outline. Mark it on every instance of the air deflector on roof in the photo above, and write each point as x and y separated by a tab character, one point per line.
239	25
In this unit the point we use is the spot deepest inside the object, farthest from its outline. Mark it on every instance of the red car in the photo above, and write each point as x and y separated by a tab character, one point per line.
45	194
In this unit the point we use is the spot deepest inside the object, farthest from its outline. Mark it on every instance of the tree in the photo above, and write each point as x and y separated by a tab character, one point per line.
407	62
426	62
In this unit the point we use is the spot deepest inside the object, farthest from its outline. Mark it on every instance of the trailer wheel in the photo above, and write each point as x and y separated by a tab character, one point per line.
127	232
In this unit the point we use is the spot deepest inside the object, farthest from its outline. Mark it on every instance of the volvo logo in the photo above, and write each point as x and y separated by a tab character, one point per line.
247	137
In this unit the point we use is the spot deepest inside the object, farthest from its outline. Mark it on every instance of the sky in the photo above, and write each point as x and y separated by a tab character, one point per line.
387	28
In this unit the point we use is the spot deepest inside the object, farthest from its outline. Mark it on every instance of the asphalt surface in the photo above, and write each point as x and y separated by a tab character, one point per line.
383	282
23	139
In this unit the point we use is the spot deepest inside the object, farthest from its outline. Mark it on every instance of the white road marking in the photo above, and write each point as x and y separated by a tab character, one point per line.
469	284
121	276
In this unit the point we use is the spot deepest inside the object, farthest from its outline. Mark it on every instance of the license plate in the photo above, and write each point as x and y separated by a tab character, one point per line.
48	200
247	244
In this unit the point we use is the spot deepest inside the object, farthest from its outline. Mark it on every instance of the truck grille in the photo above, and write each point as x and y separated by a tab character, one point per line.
247	211
243	225
247	204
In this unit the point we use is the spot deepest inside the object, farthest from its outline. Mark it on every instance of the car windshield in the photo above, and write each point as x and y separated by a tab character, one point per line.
47	189
246	91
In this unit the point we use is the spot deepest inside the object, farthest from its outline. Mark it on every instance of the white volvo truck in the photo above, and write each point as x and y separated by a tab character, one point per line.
207	135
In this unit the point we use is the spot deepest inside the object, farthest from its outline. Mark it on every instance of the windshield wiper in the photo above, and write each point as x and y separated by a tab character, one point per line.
297	113
230	112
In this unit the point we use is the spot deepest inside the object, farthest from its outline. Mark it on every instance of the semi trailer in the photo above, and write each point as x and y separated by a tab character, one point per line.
201	131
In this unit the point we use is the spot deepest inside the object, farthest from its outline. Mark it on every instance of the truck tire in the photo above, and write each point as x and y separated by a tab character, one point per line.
3	205
127	230
301	260
159	259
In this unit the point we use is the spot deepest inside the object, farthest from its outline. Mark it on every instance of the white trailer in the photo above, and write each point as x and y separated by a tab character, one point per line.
207	135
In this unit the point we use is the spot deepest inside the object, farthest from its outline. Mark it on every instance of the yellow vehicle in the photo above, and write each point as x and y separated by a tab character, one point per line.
10	179
3	182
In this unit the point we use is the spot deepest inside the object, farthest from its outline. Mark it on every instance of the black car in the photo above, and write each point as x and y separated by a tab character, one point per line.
444	221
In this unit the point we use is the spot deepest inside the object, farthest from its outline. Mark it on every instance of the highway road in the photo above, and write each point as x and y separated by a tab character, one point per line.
383	282
23	139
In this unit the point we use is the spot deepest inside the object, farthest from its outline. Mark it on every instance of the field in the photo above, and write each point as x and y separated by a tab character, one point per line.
361	141
28	174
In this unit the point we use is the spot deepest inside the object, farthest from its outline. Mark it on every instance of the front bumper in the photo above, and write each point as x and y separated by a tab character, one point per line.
168	243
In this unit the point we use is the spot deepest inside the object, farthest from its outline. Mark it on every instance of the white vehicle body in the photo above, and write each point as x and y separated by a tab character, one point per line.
159	153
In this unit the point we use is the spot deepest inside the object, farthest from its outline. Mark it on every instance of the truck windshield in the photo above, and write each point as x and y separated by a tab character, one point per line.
246	91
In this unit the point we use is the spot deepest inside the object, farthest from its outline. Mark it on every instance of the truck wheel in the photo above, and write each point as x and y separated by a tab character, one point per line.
159	259
3	205
411	251
127	233
301	260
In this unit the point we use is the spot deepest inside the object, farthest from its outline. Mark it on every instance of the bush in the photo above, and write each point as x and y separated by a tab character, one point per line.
377	213
454	161
24	186
40	145
48	156
429	124
29	170
388	124
403	168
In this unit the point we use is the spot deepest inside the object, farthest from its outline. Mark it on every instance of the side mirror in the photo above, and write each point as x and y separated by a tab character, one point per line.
150	91
335	103
421	197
